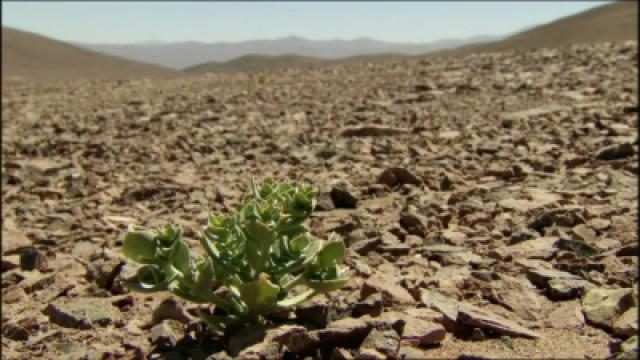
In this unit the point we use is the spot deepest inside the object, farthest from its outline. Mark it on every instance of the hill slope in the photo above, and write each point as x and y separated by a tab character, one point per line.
36	57
611	22
256	62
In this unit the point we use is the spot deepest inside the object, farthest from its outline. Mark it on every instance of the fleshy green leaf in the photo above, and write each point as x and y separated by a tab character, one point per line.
299	243
180	258
140	246
260	295
205	279
330	254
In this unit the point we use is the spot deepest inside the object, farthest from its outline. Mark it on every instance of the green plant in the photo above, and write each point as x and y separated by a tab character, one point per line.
253	257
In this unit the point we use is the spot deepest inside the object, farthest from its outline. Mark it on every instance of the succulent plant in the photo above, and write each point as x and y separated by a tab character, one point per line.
254	256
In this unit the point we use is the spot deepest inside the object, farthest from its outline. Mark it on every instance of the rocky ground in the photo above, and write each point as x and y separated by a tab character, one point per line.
489	204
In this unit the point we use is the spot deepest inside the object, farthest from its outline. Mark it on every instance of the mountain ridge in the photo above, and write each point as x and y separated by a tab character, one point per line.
182	55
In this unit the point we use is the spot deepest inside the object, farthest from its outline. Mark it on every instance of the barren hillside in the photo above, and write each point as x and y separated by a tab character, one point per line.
612	22
35	57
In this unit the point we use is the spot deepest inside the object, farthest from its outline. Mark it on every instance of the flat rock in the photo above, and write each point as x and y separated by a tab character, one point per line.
14	240
518	295
603	306
566	316
392	293
370	354
616	151
342	197
162	336
563	288
82	313
296	338
385	341
448	307
540	277
540	248
627	323
476	317
419	331
374	130
398	176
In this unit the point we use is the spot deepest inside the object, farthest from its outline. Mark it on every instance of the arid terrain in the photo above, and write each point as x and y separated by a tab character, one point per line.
489	200
489	203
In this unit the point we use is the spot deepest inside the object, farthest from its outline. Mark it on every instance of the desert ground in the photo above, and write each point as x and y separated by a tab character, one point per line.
489	205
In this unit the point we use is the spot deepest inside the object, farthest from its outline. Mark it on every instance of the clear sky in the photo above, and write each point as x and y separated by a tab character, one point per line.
130	22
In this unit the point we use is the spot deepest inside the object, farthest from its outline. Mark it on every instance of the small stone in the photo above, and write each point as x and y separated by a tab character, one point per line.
13	294
372	305
454	237
385	341
567	316
398	176
541	277
324	202
162	336
419	332
32	259
628	250
342	197
603	306
82	313
296	338
410	353
476	317
522	234
170	308
15	332
445	305
13	240
614	152
363	247
564	289
584	233
370	354
315	312
395	249
415	224
627	323
373	130
392	293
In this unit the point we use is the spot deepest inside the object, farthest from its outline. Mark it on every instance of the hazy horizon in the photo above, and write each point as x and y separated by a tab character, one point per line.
168	22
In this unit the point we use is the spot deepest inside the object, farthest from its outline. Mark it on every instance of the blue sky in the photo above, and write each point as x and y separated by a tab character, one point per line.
129	22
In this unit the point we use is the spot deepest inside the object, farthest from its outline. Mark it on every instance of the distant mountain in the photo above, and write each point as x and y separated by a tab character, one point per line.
35	57
256	62
611	22
186	54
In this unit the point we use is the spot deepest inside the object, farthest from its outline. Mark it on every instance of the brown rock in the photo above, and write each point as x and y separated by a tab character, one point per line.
566	316
385	341
476	317
373	130
398	176
614	152
370	354
392	293
627	323
420	332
